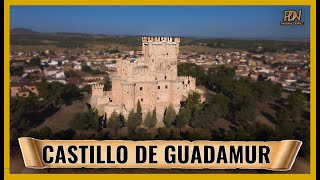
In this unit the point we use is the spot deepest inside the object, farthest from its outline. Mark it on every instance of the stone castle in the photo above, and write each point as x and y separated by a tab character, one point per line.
152	79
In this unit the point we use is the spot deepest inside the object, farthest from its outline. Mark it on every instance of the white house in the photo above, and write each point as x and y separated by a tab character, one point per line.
77	67
53	62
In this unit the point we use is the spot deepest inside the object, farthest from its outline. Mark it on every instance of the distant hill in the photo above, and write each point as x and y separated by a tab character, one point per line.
23	31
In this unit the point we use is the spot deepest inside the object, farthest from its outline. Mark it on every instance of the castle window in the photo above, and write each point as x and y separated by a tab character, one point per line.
183	82
127	92
140	88
167	53
158	98
141	99
188	82
165	77
166	87
158	87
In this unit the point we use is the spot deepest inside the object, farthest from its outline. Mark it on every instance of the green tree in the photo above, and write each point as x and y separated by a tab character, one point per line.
220	78
132	122
87	88
45	132
204	119
71	73
194	70
163	134
296	102
221	105
277	90
114	122
183	118
169	116
193	101
35	61
140	135
149	121
51	92
16	71
139	113
154	117
262	90
246	110
69	93
86	120
282	115
245	115
107	85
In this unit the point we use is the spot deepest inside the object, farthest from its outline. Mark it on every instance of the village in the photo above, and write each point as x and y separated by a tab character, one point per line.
87	67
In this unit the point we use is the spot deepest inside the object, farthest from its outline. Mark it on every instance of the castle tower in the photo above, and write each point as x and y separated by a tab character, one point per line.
160	55
97	89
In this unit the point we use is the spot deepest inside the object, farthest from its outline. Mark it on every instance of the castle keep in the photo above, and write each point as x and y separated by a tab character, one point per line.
151	79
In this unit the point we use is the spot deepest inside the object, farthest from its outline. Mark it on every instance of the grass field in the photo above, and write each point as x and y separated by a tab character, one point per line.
63	41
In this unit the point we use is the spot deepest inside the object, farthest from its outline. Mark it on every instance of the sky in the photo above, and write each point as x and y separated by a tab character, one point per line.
257	22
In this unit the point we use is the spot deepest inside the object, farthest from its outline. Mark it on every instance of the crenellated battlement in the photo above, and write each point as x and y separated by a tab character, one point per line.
160	39
97	86
187	78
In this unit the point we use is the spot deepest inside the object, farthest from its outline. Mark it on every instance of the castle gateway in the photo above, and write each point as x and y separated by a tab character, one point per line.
151	79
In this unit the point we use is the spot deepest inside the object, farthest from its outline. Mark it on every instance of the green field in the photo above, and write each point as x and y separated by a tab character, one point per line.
62	41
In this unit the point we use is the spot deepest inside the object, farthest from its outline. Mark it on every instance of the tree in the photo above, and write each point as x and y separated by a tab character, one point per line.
246	110
169	116
139	113
283	115
150	120
277	90
86	68
245	115
286	126
71	73
114	122
262	90
221	105
193	102
220	78
183	118
163	134
296	102
194	70
264	133
141	134
16	71
122	120
35	61
132	122
87	88
107	85
45	132
51	92
70	92
86	120
154	117
204	119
